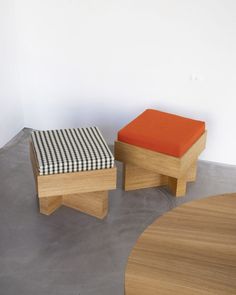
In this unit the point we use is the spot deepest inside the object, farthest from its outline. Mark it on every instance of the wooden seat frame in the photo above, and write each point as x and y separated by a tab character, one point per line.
144	168
86	191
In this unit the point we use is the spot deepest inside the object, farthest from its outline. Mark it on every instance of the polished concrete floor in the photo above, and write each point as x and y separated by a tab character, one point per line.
70	253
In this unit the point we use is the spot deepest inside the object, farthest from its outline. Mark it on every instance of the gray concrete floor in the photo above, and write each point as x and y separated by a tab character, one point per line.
70	253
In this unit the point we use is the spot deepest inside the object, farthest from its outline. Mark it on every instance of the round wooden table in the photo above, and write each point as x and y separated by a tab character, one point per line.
191	250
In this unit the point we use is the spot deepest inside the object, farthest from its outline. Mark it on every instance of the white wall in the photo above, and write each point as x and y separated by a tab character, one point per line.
89	62
11	116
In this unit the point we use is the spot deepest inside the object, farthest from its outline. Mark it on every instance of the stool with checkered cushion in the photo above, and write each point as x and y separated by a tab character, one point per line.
159	148
72	167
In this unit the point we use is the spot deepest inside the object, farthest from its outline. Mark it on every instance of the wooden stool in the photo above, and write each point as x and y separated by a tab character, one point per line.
74	168
158	149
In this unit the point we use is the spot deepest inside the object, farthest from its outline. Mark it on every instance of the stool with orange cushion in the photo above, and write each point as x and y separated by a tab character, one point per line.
159	148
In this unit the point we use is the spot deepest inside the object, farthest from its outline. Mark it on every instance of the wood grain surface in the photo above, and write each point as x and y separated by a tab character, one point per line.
190	250
135	177
86	191
158	162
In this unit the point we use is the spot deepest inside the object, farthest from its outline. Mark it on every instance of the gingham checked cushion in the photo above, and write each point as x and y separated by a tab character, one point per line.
71	150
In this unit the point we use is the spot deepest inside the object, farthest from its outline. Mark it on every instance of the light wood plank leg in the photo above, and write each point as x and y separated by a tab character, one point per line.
93	203
177	186
48	205
137	178
192	172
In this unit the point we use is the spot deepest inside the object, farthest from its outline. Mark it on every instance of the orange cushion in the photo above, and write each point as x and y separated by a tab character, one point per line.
162	132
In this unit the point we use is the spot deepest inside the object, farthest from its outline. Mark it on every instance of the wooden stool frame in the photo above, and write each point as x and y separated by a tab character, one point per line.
86	191
144	168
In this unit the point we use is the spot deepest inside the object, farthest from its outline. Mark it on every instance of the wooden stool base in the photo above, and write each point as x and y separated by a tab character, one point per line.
85	191
137	178
145	168
93	203
48	205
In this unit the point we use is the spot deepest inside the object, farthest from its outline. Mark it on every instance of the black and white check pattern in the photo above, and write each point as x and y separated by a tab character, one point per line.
71	150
